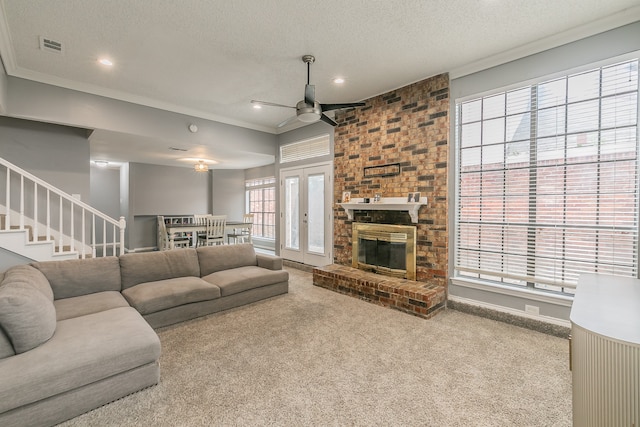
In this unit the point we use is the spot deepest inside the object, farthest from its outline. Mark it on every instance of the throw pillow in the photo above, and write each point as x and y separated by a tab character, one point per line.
29	277
27	316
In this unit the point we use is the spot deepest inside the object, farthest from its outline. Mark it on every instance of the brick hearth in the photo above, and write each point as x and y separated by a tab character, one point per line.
408	126
419	298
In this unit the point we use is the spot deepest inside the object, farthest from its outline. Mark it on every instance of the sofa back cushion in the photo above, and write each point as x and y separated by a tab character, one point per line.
217	258
77	277
27	316
30	277
154	266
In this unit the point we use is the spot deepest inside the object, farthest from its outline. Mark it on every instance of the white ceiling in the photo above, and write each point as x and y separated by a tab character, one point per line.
209	59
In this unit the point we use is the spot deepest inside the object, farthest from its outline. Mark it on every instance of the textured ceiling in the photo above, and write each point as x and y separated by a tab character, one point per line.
208	59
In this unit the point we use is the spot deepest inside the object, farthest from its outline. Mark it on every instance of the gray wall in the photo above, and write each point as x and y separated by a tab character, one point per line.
3	89
9	259
38	101
56	154
166	190
105	190
227	196
574	55
260	172
161	190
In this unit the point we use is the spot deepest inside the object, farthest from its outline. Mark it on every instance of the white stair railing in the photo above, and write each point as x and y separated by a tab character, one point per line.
73	216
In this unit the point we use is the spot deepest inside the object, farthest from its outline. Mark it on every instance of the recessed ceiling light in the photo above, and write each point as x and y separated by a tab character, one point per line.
338	80
101	163
257	106
105	61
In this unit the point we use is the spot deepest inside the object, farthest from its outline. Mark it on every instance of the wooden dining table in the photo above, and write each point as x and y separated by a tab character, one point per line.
194	229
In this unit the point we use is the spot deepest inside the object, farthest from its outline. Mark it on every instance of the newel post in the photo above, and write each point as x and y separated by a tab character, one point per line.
123	225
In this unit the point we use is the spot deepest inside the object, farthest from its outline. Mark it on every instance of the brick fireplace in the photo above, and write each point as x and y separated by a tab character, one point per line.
408	127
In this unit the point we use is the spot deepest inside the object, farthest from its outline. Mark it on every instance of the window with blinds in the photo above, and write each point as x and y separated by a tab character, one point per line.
547	185
261	202
307	149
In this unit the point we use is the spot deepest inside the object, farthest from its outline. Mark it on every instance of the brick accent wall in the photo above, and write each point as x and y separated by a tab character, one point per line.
409	126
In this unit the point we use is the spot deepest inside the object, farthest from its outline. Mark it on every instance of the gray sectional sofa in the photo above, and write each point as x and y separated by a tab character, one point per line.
75	335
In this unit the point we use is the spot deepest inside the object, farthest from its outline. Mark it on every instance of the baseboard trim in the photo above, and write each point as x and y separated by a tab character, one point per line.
548	325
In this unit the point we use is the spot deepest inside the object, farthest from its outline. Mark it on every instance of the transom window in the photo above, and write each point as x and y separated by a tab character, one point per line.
547	184
261	202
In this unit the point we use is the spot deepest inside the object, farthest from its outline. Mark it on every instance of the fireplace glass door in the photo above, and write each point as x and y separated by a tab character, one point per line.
306	215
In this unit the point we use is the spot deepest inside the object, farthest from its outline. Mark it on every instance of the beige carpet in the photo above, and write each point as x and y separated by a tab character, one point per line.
317	358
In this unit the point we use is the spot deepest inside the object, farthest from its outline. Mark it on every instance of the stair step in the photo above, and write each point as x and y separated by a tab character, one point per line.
26	227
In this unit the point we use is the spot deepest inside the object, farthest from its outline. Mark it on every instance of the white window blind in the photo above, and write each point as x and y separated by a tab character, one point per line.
261	202
307	149
548	180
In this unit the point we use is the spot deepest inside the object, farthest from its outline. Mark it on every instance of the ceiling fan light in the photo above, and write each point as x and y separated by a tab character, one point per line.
308	117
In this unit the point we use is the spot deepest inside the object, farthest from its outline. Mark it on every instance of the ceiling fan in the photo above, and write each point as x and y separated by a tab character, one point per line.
309	110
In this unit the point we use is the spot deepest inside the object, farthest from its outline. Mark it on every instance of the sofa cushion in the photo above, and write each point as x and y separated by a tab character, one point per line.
69	308
76	277
244	278
27	316
29	277
156	296
154	266
225	257
82	351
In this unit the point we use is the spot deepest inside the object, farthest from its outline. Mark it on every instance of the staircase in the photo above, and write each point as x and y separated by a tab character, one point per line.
42	223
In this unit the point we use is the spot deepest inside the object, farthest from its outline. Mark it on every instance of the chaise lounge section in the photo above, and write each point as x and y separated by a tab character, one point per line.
75	335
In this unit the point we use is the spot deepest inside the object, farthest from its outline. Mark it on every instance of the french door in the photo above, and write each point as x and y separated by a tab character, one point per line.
306	233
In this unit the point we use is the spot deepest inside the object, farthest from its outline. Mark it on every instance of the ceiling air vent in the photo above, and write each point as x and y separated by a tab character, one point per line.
51	45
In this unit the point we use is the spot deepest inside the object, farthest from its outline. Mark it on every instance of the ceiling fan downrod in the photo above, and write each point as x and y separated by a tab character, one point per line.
308	59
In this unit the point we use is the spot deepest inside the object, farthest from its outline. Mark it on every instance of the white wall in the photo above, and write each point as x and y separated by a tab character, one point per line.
591	50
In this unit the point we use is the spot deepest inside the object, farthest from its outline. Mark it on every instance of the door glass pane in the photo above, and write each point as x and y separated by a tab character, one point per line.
292	213
315	229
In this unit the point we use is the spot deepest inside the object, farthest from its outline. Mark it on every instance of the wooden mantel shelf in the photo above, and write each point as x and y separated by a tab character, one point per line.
385	204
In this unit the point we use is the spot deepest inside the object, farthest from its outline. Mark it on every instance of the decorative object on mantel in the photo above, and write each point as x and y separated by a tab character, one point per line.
346	196
413	197
390	169
385	204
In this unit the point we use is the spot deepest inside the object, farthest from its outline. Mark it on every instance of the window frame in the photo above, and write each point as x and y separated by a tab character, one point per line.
260	221
455	276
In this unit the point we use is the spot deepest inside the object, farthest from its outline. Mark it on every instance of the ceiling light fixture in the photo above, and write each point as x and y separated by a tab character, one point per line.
105	61
101	163
201	166
257	106
338	80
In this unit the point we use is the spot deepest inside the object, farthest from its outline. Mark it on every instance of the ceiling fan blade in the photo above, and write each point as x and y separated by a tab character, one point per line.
270	104
309	94
327	119
286	122
329	107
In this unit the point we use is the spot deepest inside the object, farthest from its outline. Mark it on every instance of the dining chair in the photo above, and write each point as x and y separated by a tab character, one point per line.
200	219
215	230
179	241
242	234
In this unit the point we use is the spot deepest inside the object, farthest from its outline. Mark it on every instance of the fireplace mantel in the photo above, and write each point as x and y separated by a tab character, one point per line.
385	204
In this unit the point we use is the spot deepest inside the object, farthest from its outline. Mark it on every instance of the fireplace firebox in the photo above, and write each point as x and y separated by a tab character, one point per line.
385	249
